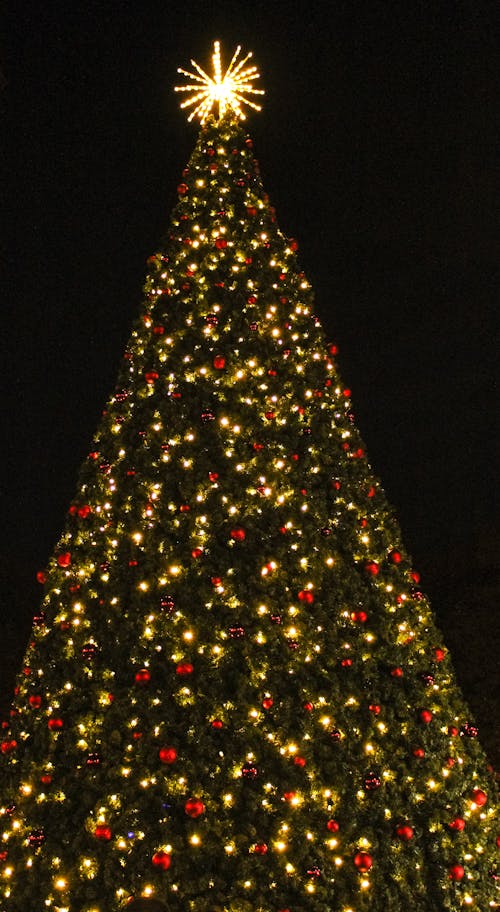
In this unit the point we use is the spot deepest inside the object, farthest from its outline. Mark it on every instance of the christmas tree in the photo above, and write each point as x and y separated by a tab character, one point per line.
235	696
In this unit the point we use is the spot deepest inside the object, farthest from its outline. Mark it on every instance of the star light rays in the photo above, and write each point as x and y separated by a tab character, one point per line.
220	93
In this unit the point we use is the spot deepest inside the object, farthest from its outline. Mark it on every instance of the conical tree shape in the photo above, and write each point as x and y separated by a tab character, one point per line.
235	697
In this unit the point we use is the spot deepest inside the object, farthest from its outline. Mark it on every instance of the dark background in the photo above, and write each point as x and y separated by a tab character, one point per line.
378	145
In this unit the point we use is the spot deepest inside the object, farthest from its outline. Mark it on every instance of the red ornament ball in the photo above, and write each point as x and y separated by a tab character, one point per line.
374	708
184	668
7	747
103	832
182	189
479	797
305	595
238	534
194	807
260	848
457	872
267	702
395	557
55	724
35	701
333	826
308	706
458	824
196	552
405	832
299	761
220	243
217	724
64	560
167	754
426	716
418	752
439	654
143	676
363	861
359	616
161	860
41	577
219	362
372	568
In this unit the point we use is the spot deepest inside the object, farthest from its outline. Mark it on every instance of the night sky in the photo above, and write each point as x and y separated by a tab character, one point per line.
378	146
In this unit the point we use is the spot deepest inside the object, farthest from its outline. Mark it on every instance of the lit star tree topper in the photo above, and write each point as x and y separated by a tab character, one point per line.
219	93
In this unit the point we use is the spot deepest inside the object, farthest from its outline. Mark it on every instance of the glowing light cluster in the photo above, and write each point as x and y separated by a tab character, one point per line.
220	93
